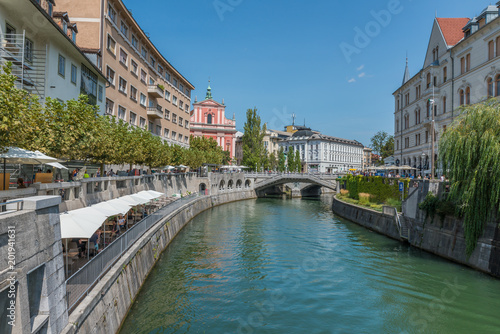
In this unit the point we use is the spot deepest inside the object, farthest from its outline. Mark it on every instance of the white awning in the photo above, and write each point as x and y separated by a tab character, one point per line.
56	165
151	194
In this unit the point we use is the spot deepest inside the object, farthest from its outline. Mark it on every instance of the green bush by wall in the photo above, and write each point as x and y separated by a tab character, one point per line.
381	188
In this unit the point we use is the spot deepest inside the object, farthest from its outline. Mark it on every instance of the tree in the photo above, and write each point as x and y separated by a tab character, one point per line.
469	152
291	159
382	144
281	160
298	162
253	145
273	161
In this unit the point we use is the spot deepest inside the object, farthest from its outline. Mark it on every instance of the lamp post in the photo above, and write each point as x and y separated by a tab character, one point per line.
432	129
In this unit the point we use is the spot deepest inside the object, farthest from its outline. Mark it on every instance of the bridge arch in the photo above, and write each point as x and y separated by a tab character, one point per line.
248	184
323	181
202	188
238	184
230	184
222	184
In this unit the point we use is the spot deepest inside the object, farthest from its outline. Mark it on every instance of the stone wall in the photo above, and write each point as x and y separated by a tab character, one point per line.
37	252
443	238
106	306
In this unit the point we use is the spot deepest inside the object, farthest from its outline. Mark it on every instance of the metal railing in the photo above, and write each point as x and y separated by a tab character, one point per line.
19	205
81	282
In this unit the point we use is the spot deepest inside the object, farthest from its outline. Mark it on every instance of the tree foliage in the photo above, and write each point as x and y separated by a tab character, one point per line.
469	152
298	162
382	144
281	160
254	152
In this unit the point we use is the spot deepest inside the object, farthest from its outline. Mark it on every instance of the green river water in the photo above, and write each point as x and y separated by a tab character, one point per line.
292	266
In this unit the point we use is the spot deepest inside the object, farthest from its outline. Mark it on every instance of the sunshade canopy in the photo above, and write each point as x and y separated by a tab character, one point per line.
16	155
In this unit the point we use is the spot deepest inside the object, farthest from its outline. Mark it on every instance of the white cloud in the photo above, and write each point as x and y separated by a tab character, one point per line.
360	68
351	80
360	75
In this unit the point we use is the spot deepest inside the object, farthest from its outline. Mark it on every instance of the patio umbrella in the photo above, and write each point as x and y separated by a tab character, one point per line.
57	165
16	155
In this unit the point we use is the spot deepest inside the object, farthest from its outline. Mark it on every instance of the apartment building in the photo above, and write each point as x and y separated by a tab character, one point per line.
145	89
461	66
40	43
324	154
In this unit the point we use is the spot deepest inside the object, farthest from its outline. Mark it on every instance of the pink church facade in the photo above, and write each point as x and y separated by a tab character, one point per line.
208	119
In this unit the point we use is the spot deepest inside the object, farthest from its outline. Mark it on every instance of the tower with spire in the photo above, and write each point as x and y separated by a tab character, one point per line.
208	119
406	76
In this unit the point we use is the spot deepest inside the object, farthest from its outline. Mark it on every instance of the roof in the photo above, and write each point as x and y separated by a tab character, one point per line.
452	29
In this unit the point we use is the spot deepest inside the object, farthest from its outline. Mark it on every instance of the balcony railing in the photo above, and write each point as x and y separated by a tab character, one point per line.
155	112
155	91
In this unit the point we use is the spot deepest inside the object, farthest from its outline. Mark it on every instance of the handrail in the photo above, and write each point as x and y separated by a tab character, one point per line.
19	202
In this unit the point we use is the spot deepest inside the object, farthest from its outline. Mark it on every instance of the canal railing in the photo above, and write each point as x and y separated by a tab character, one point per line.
82	281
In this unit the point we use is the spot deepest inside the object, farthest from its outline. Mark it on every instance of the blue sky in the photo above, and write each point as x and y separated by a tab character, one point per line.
284	56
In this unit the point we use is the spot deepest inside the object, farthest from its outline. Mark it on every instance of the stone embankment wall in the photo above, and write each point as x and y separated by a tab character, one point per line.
104	309
443	238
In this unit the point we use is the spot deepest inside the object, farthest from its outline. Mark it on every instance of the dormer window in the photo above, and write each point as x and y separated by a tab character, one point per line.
50	9
65	26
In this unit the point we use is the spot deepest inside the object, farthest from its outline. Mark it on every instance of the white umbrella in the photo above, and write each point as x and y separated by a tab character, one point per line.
56	165
182	166
16	155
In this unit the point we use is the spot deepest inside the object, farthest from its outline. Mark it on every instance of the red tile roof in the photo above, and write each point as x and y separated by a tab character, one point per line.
452	29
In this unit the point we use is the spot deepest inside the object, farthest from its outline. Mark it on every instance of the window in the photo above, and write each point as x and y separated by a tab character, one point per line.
142	122
124	29
167	95
428	108
181	104
186	139
133	67
65	26
467	95
180	137
51	8
175	83
152	61
181	121
174	135
444	104
181	88
186	107
151	103
462	97
111	45
445	74
209	119
151	81
158	130
111	13
417	139
166	133
150	126
135	42
88	85
110	75
490	87
174	100
462	65
160	69
132	118
61	68
417	116
428	80
187	124
122	85
426	137
73	74
121	112
110	105
143	76
467	62
28	50
10	31
167	114
174	118
143	100
144	52
491	50
188	92
498	46
133	93
167	76
123	57
100	93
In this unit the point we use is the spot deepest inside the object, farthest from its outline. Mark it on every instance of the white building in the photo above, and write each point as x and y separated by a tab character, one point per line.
40	44
324	154
462	66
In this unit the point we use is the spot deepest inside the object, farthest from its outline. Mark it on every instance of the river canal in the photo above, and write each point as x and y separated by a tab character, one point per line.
292	266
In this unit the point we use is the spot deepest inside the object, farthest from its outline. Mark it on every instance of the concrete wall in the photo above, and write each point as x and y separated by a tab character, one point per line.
36	242
443	238
104	309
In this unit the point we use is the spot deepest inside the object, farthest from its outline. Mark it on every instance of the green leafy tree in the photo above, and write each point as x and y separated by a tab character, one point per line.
298	162
253	145
469	152
273	161
281	160
291	159
382	144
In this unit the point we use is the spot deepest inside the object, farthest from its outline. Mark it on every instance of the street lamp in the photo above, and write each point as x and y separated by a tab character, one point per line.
422	160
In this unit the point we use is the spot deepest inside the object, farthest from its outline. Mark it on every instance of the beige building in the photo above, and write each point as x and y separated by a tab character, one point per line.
145	89
461	66
367	157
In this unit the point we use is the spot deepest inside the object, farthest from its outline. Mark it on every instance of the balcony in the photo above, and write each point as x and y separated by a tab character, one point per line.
155	91
155	112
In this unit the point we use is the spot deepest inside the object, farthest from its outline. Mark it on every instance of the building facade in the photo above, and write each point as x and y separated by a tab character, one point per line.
208	119
324	154
40	45
145	89
367	158
461	67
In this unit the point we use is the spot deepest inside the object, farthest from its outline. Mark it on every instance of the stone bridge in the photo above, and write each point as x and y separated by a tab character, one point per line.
298	183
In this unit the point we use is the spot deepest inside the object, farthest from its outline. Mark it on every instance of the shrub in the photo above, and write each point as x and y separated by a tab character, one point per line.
364	198
344	192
